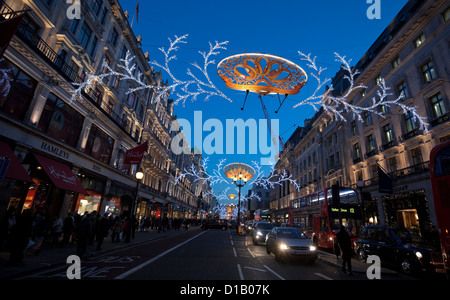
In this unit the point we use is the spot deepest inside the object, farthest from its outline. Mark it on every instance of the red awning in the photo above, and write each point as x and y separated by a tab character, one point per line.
15	169
61	175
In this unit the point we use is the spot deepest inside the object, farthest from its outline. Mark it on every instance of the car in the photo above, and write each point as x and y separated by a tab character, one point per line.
398	248
260	231
289	242
215	224
249	226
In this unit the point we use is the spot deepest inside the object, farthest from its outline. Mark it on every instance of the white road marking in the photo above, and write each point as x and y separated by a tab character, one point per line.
241	275
273	272
137	268
323	276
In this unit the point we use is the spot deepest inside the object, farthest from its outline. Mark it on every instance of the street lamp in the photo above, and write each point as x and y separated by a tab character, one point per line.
239	173
139	175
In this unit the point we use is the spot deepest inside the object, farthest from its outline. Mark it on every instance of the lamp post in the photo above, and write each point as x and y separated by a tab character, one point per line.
239	173
139	175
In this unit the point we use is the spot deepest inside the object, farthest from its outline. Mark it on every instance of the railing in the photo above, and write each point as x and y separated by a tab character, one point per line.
412	170
30	37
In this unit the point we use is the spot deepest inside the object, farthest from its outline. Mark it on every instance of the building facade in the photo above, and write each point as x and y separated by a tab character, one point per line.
73	151
412	56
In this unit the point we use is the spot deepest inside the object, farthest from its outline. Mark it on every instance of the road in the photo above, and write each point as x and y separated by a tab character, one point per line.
200	255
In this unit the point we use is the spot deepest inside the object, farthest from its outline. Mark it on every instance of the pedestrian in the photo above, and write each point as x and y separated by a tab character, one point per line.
57	229
39	231
84	231
117	230
6	225
19	237
67	229
345	243
102	230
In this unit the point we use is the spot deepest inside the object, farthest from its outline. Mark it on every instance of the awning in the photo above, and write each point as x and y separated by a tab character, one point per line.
61	175
15	169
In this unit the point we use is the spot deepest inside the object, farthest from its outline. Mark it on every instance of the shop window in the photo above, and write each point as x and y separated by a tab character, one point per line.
99	145
16	92
61	121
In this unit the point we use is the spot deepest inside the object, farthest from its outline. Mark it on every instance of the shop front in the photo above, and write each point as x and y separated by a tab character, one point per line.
407	210
55	188
14	181
95	187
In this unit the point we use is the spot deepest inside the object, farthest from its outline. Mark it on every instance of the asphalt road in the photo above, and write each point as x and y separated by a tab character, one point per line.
200	255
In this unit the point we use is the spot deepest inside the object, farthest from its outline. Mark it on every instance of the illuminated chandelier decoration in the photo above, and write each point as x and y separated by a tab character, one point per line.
239	171
262	74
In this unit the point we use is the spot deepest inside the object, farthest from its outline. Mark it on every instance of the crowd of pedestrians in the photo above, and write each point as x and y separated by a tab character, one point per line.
28	231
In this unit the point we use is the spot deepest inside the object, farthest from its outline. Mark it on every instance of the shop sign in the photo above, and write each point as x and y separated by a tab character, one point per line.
55	150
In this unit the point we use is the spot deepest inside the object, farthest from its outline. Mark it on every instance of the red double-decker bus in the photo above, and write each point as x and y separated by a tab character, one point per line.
319	216
440	183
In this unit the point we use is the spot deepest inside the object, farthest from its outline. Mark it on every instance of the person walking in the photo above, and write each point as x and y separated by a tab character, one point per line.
84	231
345	243
20	236
102	230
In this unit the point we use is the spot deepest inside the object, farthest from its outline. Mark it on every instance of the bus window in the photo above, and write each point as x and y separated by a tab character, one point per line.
321	198
323	224
314	200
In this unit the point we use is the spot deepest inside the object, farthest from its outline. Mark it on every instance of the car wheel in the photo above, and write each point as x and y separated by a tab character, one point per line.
362	255
267	249
278	256
406	267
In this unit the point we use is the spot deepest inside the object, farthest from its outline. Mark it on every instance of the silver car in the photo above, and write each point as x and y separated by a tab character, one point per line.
286	242
260	231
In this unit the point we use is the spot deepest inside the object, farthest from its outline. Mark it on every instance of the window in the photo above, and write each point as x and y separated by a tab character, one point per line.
428	72
370	143
387	132
353	128
356	151
74	25
395	63
392	164
103	16
99	145
113	36
402	89
131	98
367	118
15	99
61	121
419	41
446	15
437	105
85	35
410	124
378	79
95	5
416	155
93	46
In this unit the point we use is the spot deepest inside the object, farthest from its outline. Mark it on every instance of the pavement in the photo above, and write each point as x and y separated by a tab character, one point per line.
52	255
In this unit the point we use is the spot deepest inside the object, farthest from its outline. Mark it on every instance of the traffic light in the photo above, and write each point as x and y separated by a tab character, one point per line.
336	200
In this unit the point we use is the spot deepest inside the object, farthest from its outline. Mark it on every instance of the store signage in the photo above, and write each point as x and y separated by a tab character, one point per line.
352	210
55	150
134	156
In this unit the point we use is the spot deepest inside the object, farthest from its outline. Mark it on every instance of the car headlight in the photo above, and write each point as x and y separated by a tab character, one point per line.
284	246
312	248
259	233
419	255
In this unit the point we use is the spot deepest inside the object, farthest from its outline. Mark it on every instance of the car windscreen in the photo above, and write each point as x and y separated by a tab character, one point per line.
291	234
264	226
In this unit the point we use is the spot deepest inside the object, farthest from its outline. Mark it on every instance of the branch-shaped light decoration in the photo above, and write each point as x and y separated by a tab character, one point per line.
5	79
337	106
183	89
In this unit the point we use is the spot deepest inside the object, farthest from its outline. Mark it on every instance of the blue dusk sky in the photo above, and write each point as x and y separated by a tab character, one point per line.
280	28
